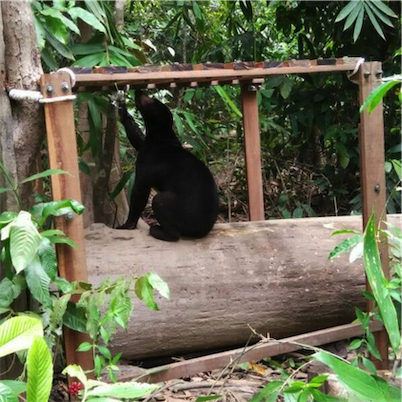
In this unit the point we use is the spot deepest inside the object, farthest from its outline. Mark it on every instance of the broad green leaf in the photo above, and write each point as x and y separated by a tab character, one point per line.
74	370
286	87
43	210
388	166
40	33
120	185
358	25
179	124
48	258
74	318
38	282
369	365
7	217
18	333
87	17
90	60
270	389
345	246
384	8
45	173
355	344
396	149
376	279
40	371
376	96
63	240
57	313
222	93
145	292
86	49
84	347
356	253
60	47
397	166
128	390
347	10
159	284
373	20
357	381
380	15
24	241
7	394
7	293
17	387
353	15
52	232
96	9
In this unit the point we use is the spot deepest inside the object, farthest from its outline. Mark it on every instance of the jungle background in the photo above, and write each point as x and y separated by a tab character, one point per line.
308	122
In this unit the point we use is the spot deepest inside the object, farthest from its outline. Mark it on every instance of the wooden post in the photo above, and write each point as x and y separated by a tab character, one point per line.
372	172
252	152
62	149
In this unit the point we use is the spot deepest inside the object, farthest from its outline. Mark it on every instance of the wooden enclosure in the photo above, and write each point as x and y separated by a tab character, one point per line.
62	151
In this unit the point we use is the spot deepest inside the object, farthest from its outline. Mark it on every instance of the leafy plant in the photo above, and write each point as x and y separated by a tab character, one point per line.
355	12
26	332
108	306
57	27
96	390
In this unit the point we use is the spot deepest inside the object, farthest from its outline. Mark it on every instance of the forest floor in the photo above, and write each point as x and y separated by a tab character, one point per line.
237	382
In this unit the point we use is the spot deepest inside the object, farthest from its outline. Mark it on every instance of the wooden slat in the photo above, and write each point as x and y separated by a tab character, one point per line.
252	148
62	149
143	78
254	353
372	173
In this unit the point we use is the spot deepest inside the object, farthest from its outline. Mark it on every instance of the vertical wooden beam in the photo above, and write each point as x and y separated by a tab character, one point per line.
252	152
62	149
372	172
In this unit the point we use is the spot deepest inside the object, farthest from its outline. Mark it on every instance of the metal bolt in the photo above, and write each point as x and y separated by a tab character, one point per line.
49	89
366	74
65	87
377	188
378	73
69	216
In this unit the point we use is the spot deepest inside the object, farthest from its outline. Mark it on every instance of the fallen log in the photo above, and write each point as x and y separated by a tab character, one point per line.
273	276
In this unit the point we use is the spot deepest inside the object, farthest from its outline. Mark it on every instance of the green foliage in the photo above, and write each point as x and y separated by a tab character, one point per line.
58	27
355	12
18	333
360	384
40	371
97	390
359	377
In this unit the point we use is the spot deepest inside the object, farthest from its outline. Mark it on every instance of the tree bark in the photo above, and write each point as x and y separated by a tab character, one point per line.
21	68
272	275
21	123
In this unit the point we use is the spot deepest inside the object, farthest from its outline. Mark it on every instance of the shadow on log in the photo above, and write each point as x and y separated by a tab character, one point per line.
272	275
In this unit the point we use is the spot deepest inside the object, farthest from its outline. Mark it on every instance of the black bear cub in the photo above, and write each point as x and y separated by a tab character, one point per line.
187	200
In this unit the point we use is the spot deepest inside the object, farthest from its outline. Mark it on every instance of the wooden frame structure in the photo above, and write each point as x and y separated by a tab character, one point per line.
63	155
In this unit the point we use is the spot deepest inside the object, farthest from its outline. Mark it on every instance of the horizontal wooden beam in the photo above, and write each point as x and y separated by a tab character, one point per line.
271	348
143	76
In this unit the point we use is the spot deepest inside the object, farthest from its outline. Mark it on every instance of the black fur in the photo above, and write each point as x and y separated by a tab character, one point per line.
187	200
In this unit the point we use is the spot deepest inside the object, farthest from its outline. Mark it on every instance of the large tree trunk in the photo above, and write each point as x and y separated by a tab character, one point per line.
21	123
273	275
21	67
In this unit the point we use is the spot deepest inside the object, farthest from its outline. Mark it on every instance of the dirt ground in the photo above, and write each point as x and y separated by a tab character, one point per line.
235	383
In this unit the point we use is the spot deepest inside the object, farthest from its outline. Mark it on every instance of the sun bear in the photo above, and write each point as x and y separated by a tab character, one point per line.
187	201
